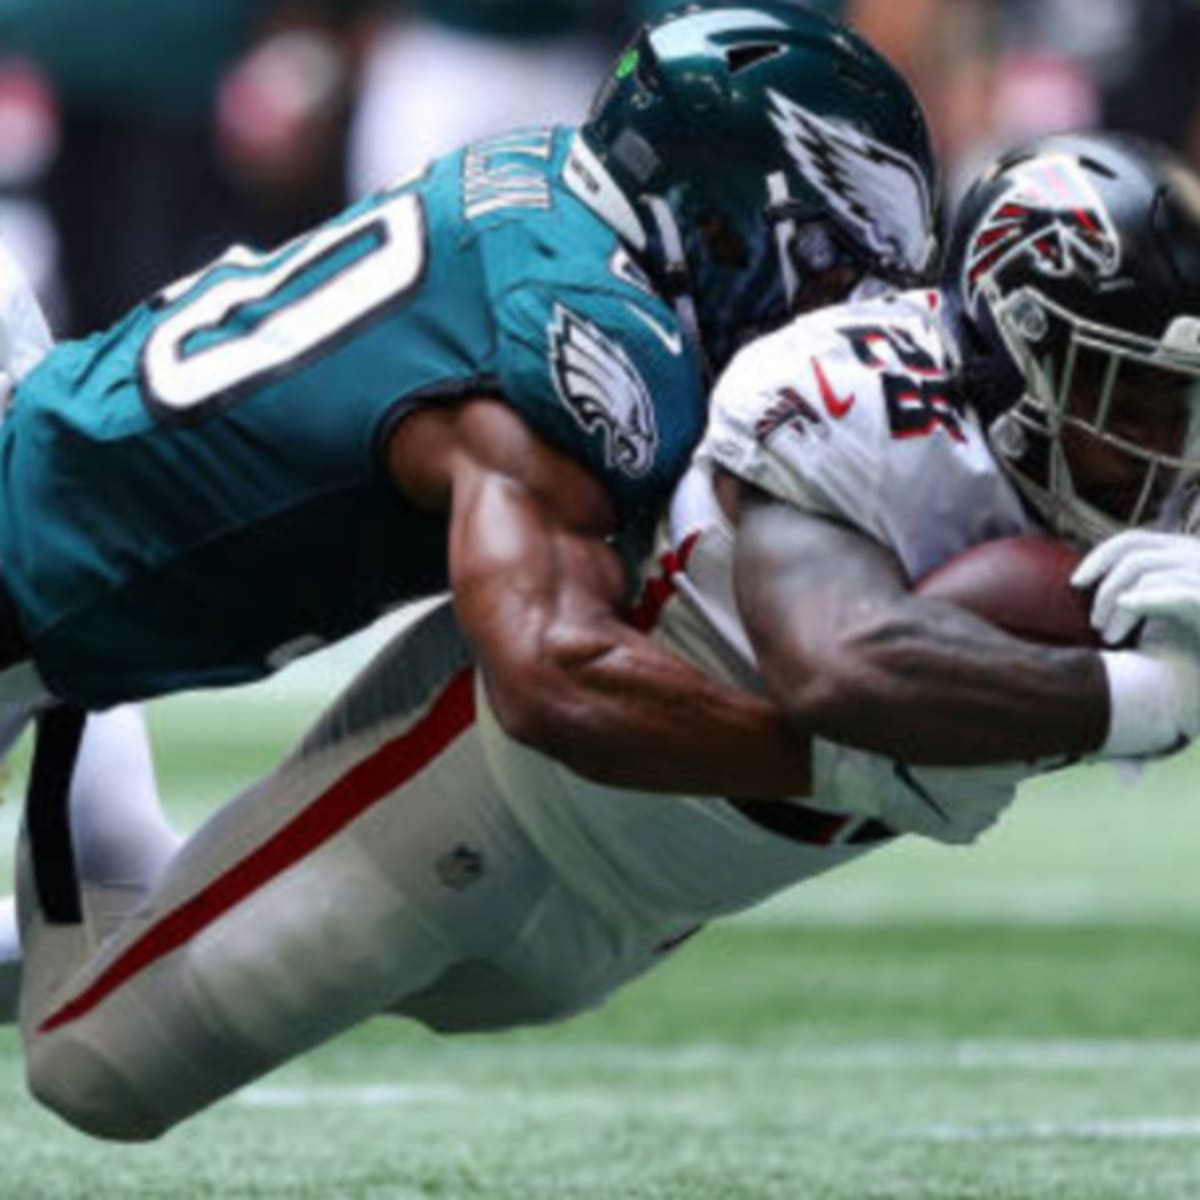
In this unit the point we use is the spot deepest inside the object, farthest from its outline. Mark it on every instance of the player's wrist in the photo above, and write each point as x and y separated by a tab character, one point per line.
1144	704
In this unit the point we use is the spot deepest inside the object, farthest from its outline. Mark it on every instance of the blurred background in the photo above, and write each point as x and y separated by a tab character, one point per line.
1012	1021
139	138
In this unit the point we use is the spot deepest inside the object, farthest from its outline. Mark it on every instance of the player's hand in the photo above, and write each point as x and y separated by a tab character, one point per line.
1143	575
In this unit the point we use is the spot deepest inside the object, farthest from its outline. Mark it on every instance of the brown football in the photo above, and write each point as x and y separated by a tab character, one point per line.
1022	584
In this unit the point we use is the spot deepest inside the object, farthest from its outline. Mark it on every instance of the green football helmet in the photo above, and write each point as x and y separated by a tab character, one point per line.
762	159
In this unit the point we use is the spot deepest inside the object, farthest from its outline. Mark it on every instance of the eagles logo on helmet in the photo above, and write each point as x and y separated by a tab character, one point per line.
875	193
760	159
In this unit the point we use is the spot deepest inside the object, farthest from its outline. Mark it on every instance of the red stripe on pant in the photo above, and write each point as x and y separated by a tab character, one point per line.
392	765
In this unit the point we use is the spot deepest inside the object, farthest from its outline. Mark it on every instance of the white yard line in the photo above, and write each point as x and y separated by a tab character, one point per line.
1096	1128
1028	1057
685	1077
374	1095
1034	1056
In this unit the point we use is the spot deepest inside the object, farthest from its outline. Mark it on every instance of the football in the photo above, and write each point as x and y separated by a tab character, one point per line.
1022	584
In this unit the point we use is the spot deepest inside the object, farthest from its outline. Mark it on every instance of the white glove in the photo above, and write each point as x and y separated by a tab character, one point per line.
1143	574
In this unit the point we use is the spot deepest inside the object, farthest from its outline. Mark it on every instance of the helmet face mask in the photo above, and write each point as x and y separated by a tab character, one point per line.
1108	428
772	158
745	290
1059	262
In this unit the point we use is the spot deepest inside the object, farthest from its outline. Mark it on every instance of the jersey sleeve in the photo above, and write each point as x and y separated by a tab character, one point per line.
607	379
846	414
947	804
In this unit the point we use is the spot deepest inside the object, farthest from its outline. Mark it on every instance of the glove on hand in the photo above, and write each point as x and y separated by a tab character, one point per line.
1140	575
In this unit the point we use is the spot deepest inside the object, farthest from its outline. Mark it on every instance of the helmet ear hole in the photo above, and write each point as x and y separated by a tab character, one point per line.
738	58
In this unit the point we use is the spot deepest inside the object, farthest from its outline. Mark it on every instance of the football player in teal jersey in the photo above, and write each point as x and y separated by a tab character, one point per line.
486	377
408	858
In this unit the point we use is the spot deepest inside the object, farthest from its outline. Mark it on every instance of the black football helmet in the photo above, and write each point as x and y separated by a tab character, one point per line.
1075	265
762	158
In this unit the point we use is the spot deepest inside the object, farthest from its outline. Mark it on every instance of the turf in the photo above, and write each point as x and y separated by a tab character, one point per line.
1013	1020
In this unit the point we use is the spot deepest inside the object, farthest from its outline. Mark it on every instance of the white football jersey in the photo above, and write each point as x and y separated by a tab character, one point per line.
847	413
843	413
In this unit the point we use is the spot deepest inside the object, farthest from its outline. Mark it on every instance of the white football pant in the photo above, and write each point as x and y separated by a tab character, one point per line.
376	869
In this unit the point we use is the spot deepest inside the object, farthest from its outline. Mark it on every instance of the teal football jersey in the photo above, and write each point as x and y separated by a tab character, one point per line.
199	494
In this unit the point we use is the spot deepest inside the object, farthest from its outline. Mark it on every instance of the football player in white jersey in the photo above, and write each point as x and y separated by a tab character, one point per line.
410	857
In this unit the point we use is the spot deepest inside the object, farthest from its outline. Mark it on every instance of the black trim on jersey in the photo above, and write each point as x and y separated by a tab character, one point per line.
446	391
192	414
47	813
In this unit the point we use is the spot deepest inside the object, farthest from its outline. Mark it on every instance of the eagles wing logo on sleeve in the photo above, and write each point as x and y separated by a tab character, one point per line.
1051	216
603	390
876	192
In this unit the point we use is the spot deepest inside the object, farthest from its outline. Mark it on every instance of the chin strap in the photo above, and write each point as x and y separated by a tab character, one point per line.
1011	437
676	275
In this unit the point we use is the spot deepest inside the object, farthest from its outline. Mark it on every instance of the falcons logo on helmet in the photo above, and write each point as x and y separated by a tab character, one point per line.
876	193
602	389
1052	217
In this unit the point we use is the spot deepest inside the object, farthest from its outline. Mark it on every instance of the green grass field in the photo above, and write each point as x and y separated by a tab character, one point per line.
1013	1020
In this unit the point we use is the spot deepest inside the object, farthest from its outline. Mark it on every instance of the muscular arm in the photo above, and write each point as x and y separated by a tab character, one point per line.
538	588
851	655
